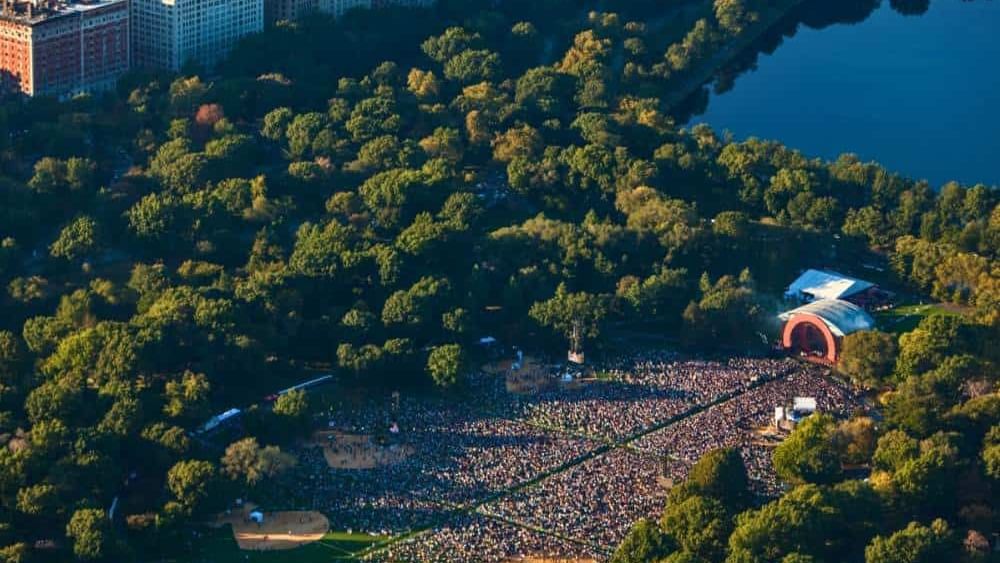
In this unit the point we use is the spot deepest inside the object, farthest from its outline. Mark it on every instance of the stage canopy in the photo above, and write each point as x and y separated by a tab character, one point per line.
824	284
840	316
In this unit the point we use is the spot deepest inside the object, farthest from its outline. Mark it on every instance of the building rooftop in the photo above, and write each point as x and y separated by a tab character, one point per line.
825	284
32	12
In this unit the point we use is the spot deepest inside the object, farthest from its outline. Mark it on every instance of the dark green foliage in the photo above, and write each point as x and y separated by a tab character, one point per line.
809	454
374	192
644	542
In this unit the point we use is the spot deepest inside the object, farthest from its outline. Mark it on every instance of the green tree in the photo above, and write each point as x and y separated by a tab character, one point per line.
925	347
187	396
868	357
809	520
246	460
720	475
186	94
13	361
894	449
424	84
644	542
453	41
809	454
729	311
576	316
37	500
700	526
90	530
372	117
444	143
271	461
77	240
445	364
417	305
154	217
15	553
302	131
914	544
855	439
191	482
920	403
473	66
991	452
733	15
276	123
544	91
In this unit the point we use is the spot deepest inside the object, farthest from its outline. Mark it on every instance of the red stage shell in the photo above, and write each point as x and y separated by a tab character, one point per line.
818	324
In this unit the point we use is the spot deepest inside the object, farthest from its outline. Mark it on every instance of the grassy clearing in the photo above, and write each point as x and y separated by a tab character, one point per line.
905	318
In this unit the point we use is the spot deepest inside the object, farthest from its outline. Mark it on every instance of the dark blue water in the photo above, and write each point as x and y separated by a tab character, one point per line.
918	93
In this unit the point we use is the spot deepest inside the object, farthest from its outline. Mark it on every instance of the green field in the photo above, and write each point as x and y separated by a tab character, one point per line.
905	318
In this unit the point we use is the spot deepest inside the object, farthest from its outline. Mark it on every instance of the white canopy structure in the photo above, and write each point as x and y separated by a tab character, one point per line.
824	284
841	317
218	419
804	404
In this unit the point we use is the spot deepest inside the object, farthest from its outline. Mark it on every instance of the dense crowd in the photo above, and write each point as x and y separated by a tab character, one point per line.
648	390
473	537
480	458
457	460
597	500
732	424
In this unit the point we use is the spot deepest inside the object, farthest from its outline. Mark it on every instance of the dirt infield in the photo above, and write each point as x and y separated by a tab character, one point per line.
531	378
357	451
279	530
534	377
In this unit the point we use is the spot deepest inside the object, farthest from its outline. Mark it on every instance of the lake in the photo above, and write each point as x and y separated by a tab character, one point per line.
913	86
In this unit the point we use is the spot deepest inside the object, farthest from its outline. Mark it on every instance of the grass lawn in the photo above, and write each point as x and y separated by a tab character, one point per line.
905	318
220	547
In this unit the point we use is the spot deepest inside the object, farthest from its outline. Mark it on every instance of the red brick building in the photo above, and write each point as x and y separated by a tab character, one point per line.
62	49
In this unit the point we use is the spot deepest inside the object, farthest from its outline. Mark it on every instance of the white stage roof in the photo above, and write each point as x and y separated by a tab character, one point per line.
840	316
824	284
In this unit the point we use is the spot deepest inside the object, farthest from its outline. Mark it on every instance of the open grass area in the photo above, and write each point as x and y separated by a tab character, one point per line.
905	318
220	547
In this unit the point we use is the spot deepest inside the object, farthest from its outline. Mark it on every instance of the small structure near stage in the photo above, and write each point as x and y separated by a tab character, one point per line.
815	331
788	416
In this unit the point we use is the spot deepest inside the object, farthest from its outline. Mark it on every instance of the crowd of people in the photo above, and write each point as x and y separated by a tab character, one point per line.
636	393
733	424
458	459
581	462
597	500
473	537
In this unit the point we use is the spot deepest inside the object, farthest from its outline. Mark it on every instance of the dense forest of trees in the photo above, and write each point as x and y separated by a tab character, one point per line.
379	198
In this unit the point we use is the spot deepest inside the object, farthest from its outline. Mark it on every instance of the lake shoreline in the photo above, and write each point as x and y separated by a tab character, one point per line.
706	72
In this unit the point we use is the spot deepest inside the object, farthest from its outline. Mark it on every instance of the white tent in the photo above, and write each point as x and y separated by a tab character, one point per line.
257	516
804	404
824	284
